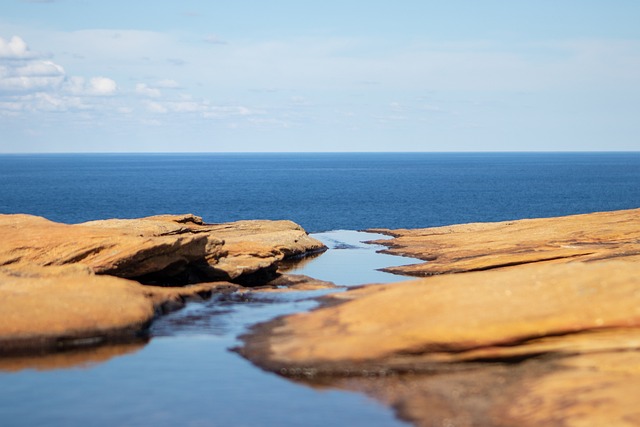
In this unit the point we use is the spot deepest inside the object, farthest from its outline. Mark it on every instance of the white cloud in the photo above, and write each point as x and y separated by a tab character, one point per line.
15	48
35	75
145	90
22	71
101	86
96	86
30	83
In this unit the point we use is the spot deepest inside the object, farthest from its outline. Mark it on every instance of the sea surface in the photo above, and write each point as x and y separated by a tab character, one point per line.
186	375
321	192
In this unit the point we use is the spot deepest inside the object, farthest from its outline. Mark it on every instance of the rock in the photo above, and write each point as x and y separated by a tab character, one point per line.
485	246
455	314
546	333
64	285
294	282
49	308
31	240
252	246
166	249
53	308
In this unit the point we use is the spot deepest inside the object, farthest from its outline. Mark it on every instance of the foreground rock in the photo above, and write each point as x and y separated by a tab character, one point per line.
539	343
233	250
170	248
53	308
486	246
69	285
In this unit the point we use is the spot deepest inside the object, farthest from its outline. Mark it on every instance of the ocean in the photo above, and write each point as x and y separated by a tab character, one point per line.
321	192
186	375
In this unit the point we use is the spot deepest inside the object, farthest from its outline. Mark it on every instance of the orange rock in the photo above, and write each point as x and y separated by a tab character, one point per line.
163	246
485	246
536	339
56	288
49	308
31	240
57	307
459	313
585	390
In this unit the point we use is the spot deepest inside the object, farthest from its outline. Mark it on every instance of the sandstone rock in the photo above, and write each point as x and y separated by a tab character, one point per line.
30	240
43	310
234	249
251	246
546	333
456	314
295	282
174	249
485	246
584	390
52	308
55	284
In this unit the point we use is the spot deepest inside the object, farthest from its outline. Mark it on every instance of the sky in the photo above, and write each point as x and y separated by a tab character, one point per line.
312	76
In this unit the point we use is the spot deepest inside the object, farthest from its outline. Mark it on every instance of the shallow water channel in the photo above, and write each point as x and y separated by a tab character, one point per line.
186	375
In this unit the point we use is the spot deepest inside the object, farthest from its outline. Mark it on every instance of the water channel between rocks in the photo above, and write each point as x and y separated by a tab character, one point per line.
186	374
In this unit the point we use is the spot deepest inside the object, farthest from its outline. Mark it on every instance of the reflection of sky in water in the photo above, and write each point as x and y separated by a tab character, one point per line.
187	376
350	262
178	381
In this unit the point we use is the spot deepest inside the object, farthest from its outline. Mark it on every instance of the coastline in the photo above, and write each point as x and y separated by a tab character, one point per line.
461	339
105	281
483	344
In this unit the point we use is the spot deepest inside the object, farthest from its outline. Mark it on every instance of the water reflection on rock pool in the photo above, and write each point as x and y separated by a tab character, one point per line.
186	376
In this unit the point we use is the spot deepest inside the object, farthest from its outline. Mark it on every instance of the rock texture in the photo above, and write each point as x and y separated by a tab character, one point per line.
30	240
70	285
53	308
231	250
537	337
486	246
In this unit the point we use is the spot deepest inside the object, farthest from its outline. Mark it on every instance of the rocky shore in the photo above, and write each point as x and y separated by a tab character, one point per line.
521	323
75	285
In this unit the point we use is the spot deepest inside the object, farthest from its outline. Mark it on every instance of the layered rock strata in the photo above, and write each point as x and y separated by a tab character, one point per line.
67	285
540	326
486	246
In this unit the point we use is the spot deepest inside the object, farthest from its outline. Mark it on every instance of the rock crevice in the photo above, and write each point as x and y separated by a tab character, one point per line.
80	284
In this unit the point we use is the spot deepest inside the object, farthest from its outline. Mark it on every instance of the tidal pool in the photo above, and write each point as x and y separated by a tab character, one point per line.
186	375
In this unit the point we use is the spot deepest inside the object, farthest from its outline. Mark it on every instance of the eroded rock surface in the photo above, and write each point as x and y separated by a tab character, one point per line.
181	248
485	246
63	285
52	308
547	333
31	240
232	250
460	317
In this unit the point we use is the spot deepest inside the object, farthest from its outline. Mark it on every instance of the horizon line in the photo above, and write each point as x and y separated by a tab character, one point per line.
318	152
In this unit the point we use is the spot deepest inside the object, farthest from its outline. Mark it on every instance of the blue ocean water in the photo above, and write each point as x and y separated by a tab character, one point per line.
321	191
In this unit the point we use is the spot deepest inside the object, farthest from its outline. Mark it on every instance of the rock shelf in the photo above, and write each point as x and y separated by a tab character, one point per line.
75	285
524	323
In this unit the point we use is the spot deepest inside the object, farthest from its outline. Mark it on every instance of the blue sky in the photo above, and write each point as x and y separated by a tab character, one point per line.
181	76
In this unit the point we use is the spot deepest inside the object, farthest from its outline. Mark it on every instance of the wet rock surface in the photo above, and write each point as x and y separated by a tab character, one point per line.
551	341
66	285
